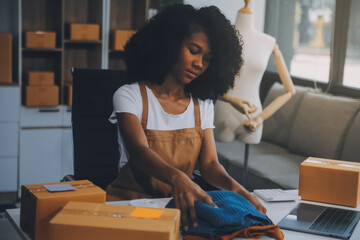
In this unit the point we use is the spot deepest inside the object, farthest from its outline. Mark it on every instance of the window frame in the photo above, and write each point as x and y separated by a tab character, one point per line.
339	37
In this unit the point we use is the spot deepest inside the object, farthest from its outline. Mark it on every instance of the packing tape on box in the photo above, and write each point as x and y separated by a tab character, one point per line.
333	163
77	186
139	212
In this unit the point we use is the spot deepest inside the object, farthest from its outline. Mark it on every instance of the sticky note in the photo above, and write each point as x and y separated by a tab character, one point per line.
141	212
59	187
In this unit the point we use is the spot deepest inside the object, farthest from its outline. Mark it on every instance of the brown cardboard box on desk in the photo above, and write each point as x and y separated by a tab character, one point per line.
39	206
85	32
5	58
104	221
40	39
121	37
330	181
41	79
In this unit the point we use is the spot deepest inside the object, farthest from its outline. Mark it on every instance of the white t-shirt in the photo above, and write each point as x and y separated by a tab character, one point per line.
128	99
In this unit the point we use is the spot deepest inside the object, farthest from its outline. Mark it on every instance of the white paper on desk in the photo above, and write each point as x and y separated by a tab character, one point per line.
145	202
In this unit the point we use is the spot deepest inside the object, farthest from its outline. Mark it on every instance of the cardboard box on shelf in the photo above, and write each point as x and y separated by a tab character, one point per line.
121	37
330	181
41	79
105	221
40	39
5	58
39	205
85	32
68	93
41	96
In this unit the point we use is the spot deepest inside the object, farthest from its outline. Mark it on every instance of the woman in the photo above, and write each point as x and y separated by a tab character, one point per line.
178	62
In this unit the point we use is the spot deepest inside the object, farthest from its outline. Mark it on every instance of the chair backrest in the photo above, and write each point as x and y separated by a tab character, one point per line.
96	153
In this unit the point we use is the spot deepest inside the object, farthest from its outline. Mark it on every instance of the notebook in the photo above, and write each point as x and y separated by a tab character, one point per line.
321	220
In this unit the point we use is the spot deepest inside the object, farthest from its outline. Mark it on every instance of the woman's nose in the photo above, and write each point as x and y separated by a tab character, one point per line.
198	63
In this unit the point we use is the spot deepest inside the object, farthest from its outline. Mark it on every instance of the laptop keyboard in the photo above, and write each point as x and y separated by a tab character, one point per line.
333	220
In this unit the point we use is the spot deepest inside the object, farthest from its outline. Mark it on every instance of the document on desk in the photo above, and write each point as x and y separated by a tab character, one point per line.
144	202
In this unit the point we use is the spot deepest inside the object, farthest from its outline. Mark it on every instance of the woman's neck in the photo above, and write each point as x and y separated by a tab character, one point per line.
170	87
244	22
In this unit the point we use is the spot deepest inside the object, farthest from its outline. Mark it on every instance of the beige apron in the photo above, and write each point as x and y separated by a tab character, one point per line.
179	148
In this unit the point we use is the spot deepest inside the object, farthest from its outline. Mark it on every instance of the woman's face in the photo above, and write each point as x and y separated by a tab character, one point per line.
194	58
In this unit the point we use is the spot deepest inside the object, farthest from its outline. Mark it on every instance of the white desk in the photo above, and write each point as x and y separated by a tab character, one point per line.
275	211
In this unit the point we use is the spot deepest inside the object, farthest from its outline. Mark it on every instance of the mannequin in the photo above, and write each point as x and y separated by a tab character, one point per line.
245	124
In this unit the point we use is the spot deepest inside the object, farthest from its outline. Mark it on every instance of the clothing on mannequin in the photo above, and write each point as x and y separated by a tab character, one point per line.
245	124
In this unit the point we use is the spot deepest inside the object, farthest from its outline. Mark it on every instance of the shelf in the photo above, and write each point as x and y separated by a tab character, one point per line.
83	41
42	49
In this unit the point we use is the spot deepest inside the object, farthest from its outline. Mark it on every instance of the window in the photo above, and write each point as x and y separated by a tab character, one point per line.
352	62
319	39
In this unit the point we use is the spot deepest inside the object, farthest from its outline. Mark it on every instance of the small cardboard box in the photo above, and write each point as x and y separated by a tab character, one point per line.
330	181
5	58
42	96
84	31
104	221
68	94
121	37
39	206
40	39
41	79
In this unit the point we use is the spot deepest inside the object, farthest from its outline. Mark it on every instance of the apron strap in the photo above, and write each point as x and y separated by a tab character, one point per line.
197	113
144	116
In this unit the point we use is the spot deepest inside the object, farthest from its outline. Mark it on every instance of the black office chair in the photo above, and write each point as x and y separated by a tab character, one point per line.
96	152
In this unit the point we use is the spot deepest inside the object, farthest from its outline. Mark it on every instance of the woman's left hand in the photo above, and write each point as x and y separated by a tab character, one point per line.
257	204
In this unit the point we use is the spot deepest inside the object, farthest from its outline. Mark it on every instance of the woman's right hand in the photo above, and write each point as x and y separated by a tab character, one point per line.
185	193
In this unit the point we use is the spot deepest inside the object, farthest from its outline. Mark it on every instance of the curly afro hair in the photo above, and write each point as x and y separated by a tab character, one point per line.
153	51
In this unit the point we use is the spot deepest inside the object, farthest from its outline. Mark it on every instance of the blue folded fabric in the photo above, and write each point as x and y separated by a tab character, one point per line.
234	212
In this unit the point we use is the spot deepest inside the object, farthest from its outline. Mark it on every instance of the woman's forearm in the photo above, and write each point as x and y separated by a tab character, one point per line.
151	163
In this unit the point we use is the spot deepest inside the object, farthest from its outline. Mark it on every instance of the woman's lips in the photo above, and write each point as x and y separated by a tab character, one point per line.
191	74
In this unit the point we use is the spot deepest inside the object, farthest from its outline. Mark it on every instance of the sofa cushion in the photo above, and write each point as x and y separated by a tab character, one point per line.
321	125
277	127
266	160
351	151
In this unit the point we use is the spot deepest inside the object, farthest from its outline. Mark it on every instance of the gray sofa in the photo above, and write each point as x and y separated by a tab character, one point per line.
310	124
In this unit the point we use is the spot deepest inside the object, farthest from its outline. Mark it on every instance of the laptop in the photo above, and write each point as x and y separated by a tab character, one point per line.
321	220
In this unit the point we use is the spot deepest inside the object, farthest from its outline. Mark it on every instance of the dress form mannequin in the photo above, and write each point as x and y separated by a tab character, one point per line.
257	48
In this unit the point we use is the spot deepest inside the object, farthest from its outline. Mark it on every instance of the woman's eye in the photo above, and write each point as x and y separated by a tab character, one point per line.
193	51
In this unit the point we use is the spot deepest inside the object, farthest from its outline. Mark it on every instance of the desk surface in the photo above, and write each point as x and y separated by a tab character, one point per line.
275	211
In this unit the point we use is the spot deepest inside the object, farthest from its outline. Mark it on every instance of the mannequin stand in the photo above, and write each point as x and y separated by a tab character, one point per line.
245	166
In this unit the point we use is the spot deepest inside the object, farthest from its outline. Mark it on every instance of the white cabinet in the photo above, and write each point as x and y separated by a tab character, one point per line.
40	155
67	162
8	174
9	137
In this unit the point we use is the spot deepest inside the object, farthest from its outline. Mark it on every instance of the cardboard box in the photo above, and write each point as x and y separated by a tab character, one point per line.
42	96
84	31
104	221
5	58
68	93
330	181
40	39
39	206
121	37
41	79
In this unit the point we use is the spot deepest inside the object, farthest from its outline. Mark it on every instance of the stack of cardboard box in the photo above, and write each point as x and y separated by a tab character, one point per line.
77	210
41	90
5	58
